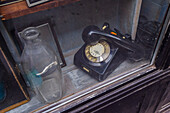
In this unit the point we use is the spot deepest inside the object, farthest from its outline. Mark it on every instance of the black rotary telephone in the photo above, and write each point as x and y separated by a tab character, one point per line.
104	50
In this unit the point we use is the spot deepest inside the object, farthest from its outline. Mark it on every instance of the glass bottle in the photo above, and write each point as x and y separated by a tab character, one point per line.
41	67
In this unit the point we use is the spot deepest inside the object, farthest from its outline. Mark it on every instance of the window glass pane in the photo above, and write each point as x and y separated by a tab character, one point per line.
123	41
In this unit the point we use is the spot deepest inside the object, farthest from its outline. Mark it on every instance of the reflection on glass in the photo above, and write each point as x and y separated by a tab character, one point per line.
70	21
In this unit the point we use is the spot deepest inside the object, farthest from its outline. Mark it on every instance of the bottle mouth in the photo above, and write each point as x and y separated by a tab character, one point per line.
30	33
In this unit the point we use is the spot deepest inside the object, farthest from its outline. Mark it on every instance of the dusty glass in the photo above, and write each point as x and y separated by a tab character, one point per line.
41	67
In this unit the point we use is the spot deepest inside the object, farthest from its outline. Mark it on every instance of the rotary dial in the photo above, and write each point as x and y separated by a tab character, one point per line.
98	52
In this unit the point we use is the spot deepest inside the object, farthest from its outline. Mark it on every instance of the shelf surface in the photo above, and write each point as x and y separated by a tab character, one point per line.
77	84
21	8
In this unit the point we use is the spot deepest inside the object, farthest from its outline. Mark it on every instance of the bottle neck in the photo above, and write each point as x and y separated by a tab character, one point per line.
34	42
31	36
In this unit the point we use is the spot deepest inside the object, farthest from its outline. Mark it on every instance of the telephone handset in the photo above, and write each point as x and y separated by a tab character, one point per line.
104	50
92	34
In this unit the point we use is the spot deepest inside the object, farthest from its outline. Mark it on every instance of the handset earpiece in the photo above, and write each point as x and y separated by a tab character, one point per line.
89	36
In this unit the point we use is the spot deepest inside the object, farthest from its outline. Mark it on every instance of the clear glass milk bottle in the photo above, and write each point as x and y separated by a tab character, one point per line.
41	67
